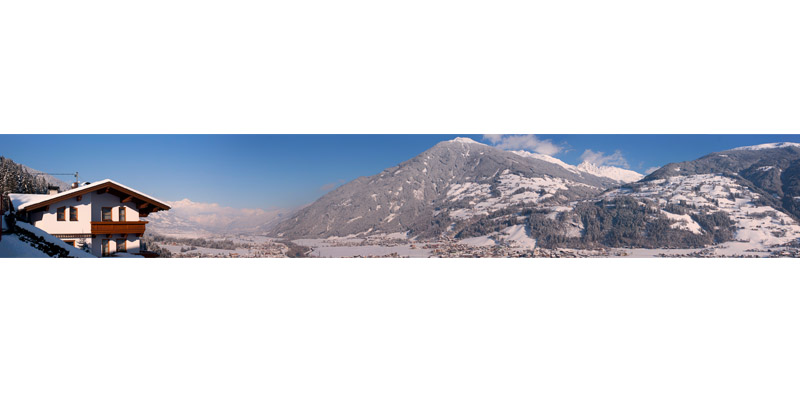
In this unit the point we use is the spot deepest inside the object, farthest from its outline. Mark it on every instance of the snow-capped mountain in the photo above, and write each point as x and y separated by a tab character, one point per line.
614	173
453	181
192	219
767	146
747	198
739	200
618	174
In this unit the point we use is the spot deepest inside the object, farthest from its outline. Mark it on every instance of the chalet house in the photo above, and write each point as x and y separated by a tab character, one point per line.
104	215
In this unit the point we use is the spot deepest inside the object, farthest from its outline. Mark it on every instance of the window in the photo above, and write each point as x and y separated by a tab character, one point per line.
60	214
105	248
106	214
70	242
122	213
73	213
122	246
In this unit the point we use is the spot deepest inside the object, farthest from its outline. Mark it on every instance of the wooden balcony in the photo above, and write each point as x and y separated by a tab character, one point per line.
118	228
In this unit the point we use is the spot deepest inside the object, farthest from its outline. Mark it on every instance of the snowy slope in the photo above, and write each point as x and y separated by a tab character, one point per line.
759	225
12	247
767	146
773	168
15	245
547	158
510	189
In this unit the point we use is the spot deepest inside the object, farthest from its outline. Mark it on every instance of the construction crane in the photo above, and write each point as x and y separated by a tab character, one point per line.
70	174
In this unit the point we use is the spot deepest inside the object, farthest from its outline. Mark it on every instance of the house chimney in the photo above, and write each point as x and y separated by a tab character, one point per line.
51	190
74	185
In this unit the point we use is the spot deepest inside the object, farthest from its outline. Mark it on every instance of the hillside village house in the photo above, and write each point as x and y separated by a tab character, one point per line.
105	215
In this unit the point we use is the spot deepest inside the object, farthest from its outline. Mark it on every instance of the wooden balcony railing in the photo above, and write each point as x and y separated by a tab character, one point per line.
118	228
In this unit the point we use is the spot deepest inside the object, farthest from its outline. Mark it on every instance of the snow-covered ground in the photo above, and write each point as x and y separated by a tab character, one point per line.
12	247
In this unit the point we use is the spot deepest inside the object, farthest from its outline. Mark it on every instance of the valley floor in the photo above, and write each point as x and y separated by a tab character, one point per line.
487	247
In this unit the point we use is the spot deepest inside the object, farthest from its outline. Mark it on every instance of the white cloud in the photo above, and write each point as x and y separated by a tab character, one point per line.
651	170
523	142
599	158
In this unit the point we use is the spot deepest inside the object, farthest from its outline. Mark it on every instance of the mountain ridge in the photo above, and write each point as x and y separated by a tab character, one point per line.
451	181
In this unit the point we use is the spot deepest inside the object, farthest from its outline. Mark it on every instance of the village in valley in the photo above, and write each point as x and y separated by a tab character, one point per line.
388	246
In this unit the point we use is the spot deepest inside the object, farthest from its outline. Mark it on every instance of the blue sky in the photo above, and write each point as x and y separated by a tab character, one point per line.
269	171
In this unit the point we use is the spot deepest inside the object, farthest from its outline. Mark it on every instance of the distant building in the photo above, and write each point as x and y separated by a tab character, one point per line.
104	215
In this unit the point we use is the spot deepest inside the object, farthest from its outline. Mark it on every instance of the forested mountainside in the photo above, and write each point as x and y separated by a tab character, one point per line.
772	168
17	178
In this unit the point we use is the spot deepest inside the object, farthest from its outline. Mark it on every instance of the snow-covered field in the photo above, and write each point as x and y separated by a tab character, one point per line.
518	236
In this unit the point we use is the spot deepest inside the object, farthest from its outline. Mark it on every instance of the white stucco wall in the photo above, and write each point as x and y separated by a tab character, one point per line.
109	200
48	220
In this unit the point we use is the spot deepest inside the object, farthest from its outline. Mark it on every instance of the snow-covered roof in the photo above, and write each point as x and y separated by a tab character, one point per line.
19	199
27	200
769	146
